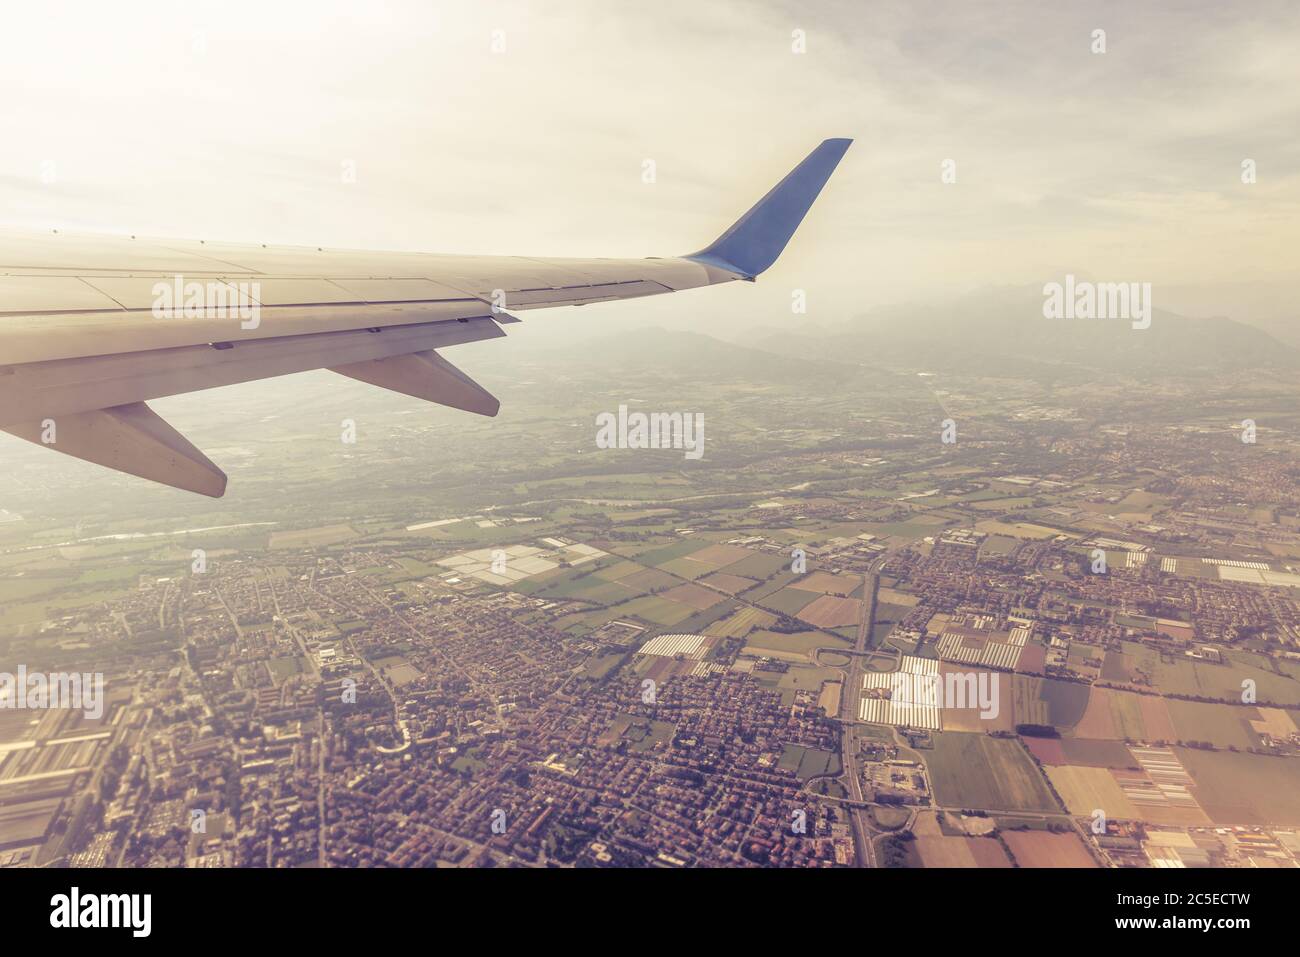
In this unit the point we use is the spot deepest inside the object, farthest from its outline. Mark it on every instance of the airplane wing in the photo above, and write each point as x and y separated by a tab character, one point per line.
93	327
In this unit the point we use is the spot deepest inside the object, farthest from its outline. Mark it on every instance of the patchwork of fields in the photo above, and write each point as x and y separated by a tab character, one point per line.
1133	754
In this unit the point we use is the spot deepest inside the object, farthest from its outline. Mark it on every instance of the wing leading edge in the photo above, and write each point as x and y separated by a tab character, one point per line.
84	344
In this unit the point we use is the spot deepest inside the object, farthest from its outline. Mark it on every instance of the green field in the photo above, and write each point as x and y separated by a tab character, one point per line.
799	643
655	611
809	762
1048	702
643	735
282	668
758	566
1220	724
789	601
983	772
658	554
1097	754
1245	789
741	623
601	666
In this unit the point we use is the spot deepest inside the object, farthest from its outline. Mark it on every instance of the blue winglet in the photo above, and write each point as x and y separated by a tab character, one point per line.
754	241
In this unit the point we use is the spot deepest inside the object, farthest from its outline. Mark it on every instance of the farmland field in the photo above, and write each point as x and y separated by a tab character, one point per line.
1044	701
757	565
731	584
944	851
618	570
693	596
1045	849
827	584
651	609
685	568
720	555
1085	790
741	622
978	771
831	612
971	718
1124	715
801	643
1273	794
789	601
1097	754
809	762
1220	724
313	537
1183	676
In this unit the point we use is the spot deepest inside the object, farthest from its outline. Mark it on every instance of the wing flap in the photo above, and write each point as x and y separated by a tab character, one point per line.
128	438
425	375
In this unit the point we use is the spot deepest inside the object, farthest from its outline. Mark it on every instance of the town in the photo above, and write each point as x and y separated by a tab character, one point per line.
699	682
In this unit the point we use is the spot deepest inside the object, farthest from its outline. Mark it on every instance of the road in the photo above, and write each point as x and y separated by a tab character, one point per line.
863	847
322	859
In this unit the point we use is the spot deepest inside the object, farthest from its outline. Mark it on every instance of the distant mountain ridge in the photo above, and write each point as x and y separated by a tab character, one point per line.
1005	331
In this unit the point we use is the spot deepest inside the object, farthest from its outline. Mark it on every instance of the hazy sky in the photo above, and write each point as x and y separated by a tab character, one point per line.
233	120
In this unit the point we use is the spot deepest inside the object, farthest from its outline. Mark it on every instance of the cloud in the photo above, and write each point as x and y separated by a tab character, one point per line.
233	120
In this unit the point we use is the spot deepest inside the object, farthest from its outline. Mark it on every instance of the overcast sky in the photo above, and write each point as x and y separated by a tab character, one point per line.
234	120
